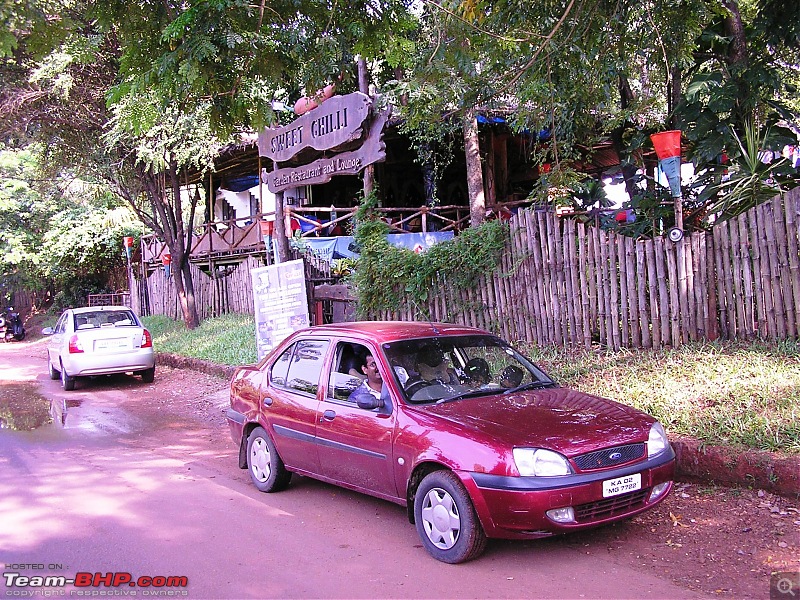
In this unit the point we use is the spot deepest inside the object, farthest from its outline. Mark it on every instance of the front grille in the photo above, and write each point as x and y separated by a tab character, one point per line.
610	507
600	459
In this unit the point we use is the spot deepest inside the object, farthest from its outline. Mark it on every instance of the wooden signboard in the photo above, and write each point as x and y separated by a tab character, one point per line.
331	124
345	163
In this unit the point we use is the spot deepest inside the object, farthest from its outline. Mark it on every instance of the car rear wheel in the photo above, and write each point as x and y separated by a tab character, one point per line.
67	382
265	466
446	520
148	375
54	374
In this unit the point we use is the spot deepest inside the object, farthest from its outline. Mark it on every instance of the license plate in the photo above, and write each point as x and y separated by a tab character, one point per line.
622	485
112	344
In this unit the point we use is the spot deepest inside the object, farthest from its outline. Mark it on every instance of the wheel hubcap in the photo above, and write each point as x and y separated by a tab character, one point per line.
259	459
440	518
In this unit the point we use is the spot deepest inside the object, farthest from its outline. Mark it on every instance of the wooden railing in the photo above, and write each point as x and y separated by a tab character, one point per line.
244	235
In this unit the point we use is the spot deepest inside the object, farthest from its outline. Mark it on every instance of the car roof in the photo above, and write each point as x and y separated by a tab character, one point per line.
85	309
391	331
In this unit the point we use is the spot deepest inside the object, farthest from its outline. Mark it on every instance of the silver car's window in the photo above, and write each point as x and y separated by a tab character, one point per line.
105	318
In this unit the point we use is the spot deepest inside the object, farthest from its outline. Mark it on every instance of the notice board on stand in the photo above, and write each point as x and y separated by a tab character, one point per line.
281	304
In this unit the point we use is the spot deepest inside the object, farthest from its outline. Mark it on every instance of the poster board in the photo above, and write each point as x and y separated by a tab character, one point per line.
281	303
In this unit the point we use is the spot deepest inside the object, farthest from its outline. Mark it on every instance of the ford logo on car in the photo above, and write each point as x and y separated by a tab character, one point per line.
615	456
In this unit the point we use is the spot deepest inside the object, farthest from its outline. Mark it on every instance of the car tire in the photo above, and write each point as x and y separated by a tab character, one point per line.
446	520
54	374
67	382
264	464
148	375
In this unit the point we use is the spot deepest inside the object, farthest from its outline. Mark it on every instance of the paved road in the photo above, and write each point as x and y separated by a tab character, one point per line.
131	484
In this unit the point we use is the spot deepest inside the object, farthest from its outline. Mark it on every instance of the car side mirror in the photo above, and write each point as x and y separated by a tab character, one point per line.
47	331
368	402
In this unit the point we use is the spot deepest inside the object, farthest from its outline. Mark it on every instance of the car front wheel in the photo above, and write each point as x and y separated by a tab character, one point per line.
67	382
446	520
265	466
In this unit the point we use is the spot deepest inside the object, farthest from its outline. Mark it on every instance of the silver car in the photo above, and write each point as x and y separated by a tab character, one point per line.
99	340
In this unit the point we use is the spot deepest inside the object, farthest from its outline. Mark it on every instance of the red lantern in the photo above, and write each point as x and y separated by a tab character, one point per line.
667	143
166	260
668	149
127	243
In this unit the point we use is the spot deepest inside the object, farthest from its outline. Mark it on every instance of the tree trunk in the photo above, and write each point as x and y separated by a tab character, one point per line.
477	199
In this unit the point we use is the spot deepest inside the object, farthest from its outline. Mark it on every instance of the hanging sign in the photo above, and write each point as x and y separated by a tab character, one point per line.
332	123
345	163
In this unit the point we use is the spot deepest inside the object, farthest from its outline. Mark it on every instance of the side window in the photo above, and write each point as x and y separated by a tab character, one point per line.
62	322
281	367
300	366
346	372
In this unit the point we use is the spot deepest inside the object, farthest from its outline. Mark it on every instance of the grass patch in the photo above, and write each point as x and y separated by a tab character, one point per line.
226	340
731	393
738	394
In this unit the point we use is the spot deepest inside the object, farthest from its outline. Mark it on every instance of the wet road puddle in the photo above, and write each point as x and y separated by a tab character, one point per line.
23	408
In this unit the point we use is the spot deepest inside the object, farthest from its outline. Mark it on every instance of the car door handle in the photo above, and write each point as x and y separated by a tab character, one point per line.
328	415
267	401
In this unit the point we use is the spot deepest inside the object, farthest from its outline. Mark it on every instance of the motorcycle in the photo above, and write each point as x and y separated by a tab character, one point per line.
11	327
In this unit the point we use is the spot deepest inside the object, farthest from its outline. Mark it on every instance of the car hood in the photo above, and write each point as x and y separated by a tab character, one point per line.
559	419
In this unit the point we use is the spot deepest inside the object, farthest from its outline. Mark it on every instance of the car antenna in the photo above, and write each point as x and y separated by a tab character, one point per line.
427	317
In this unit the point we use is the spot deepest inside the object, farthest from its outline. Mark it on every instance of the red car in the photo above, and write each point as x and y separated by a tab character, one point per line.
452	423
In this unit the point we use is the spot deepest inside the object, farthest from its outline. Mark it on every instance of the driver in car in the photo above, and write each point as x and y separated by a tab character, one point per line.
432	368
368	394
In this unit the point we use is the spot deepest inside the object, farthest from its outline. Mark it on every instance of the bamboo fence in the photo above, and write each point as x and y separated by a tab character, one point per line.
561	282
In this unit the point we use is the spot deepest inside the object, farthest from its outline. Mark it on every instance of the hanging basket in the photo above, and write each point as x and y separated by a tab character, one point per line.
667	143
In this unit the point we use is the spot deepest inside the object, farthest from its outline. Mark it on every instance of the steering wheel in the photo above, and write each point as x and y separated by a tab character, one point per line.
416	386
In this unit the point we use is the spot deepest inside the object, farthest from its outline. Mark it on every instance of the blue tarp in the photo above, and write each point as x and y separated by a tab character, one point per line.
331	248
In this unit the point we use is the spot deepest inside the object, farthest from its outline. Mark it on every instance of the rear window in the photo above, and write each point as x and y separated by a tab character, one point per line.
105	318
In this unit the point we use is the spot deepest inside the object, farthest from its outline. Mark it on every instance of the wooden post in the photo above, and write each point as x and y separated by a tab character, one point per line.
363	87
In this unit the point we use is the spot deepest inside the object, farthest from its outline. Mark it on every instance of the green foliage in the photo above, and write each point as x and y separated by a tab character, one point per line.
387	277
228	340
731	189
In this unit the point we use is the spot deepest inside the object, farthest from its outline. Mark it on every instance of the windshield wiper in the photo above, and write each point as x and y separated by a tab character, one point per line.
532	385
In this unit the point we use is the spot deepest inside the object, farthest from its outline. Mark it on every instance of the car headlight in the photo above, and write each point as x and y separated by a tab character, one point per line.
537	462
657	442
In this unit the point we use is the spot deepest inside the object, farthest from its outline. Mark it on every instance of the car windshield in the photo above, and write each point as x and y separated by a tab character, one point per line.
104	318
440	369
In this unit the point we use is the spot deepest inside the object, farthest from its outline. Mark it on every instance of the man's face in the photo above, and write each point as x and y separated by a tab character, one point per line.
371	370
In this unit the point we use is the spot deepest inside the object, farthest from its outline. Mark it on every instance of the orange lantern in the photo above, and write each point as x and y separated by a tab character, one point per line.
667	145
166	260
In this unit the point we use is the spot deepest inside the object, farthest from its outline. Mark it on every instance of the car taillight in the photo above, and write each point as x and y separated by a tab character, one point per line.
75	345
147	340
